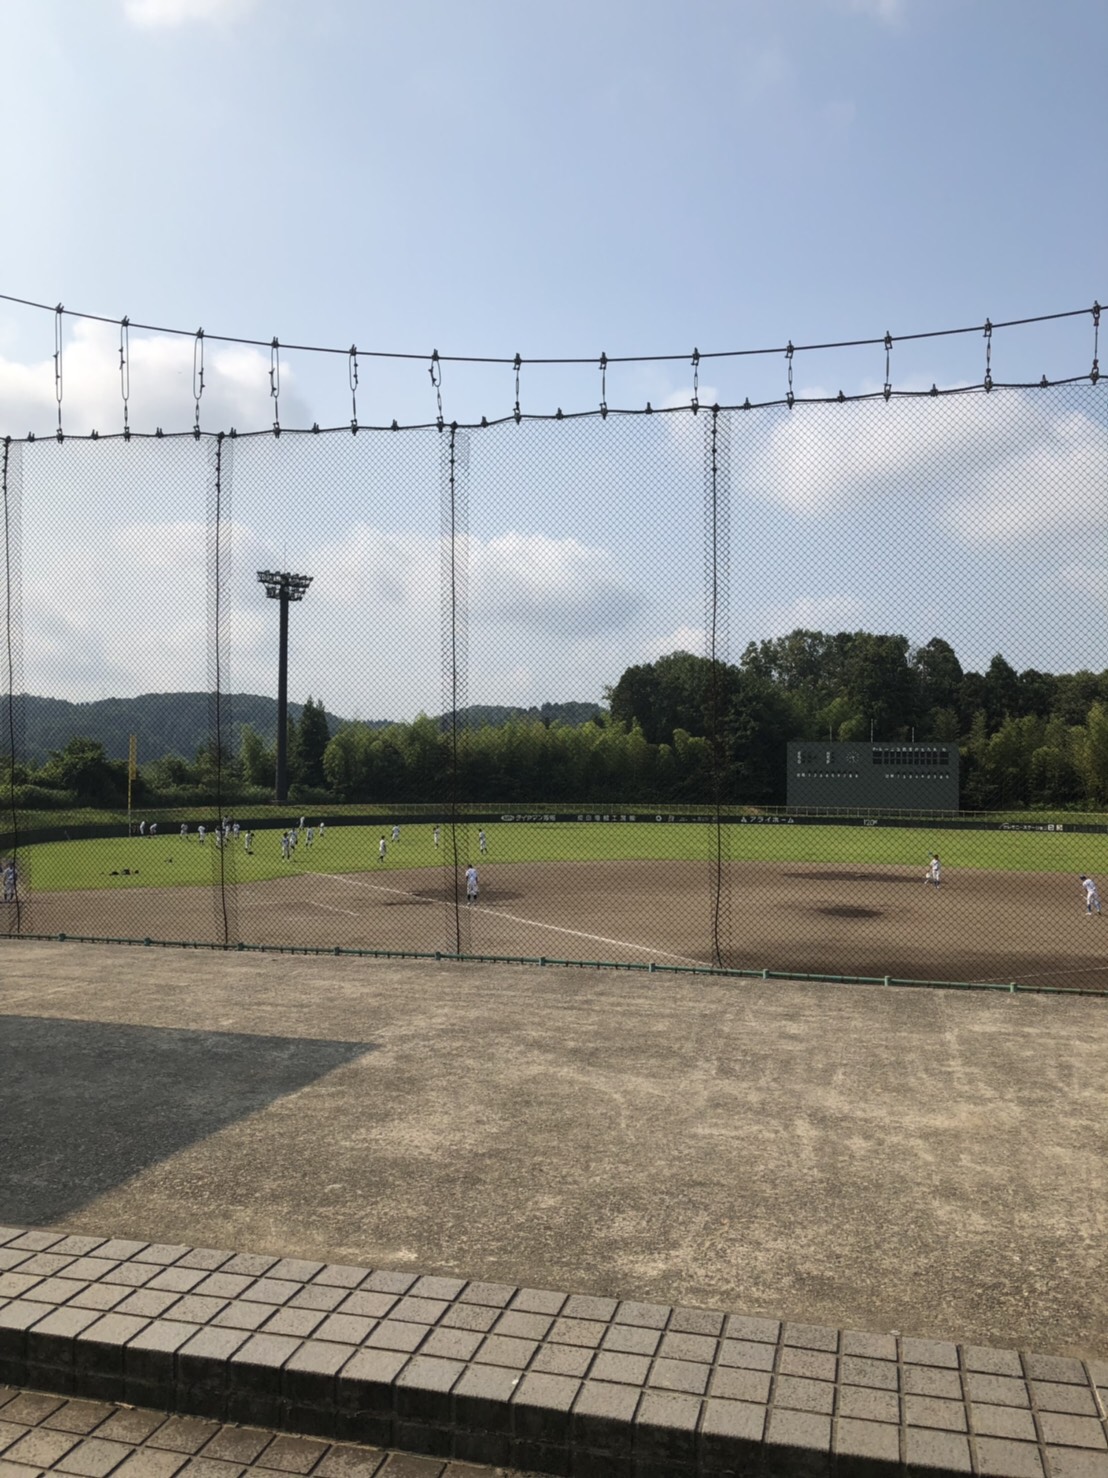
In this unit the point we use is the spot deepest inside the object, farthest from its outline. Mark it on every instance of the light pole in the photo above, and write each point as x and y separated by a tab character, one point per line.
283	587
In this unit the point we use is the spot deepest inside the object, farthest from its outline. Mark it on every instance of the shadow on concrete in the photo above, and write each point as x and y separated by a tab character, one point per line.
85	1105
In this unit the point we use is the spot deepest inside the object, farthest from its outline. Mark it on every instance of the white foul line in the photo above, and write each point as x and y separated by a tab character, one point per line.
516	919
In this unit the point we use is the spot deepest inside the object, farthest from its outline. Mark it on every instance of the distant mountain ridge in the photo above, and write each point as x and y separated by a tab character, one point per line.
179	723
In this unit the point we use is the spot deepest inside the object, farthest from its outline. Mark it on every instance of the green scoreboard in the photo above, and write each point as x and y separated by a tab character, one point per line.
902	777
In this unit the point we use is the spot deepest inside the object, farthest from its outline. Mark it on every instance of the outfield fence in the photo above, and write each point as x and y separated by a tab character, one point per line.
631	612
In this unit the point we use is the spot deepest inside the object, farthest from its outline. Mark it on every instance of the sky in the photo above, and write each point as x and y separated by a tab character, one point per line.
486	178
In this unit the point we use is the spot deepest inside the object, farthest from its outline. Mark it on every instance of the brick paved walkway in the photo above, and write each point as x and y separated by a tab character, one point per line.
544	1380
41	1433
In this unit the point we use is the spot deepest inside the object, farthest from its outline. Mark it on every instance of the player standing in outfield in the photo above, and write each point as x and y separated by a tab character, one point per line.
184	831
1092	897
934	873
248	843
153	828
396	833
381	850
309	836
436	834
482	840
9	882
142	828
471	884
201	833
322	824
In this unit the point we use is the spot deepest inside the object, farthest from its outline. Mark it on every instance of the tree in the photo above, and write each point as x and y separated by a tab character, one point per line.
308	744
83	767
938	674
259	763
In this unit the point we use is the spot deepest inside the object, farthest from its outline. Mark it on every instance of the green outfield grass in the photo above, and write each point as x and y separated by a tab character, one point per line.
167	861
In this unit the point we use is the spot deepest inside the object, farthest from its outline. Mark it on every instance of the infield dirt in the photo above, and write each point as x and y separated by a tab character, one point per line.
979	926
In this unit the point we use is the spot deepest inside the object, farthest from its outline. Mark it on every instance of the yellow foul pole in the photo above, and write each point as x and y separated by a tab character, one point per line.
132	771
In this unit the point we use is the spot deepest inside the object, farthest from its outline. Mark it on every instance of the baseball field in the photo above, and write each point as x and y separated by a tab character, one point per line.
823	900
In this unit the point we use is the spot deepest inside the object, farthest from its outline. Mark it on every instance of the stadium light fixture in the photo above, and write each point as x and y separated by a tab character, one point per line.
282	586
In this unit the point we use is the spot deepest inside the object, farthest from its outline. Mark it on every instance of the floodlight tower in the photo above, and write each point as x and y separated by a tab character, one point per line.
280	585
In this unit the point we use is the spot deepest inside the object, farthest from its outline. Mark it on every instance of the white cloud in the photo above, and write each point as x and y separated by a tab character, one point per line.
160	388
153	14
531	581
811	613
1091	581
987	468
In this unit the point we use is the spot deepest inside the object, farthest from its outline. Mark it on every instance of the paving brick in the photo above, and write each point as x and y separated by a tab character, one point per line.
541	1407
643	1315
364	1305
423	1389
747	1353
731	1434
32	1407
997	1390
813	1364
44	1264
762	1331
733	1384
811	1337
297	1269
481	1396
868	1346
470	1316
255	1365
52	1340
856	1370
1003	1421
367	1379
203	1467
81	1417
666	1427
947	1451
1072	1462
602	1417
202	1361
89	1268
99	1296
628	1339
243	1316
690	1376
131	1274
538	1301
93	1458
930	1380
498	1349
15	1285
451	1344
628	1370
36	1241
340	1275
76	1245
696	1321
1054	1368
150	1303
585	1306
1072	1431
215	1285
120	1248
162	1253
523	1326
270	1291
563	1360
100	1348
149	1354
859	1446
928	1411
687	1347
587	1332
383	1281
350	1462
41	1448
193	1308
990	1361
178	1280
204	1257
252	1264
929	1352
438	1288
299	1323
797	1442
149	1464
11	1432
187	1434
1051	1396
346	1329
131	1426
309	1373
288	1454
416	1310
391	1334
494	1295
1005	1459
797	1394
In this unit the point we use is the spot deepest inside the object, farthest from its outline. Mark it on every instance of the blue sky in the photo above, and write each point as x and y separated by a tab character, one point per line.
485	178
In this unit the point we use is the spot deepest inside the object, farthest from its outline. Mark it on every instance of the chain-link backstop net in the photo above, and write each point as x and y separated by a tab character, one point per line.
809	688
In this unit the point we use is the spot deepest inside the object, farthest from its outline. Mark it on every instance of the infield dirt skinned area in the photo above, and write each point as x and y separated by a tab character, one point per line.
807	918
